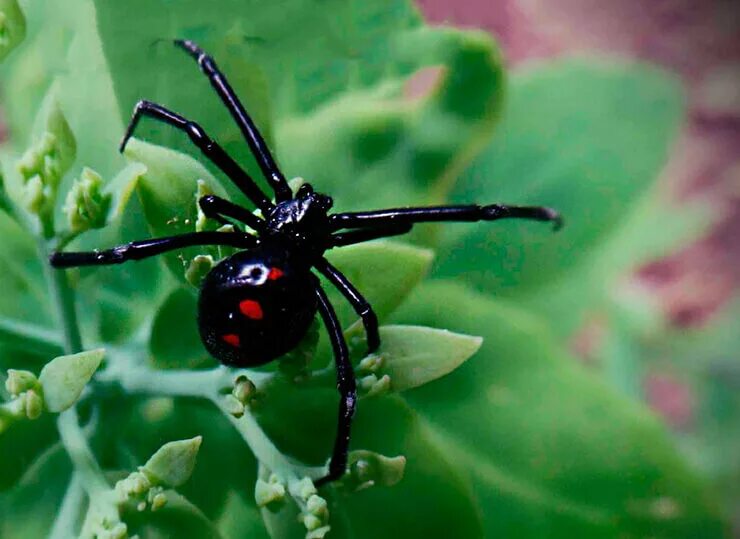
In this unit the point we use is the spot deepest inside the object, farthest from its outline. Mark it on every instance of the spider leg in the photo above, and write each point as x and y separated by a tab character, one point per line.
218	209
401	216
256	143
137	250
361	306
209	147
360	235
346	386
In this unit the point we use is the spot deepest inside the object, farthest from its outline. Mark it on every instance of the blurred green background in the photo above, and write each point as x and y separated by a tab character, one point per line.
604	401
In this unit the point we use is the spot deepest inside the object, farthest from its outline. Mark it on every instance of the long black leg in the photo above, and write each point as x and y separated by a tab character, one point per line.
361	306
256	143
399	216
346	386
351	237
209	147
217	208
137	250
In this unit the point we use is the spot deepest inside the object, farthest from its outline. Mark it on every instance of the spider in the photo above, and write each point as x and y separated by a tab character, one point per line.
257	304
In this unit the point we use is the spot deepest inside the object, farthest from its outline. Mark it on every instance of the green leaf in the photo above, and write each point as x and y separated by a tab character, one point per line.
172	465
415	355
20	446
175	339
12	27
28	510
240	518
302	60
373	136
585	138
167	191
369	267
549	448
431	497
64	378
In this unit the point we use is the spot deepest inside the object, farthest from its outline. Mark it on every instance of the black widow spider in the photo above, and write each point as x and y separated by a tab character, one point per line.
257	304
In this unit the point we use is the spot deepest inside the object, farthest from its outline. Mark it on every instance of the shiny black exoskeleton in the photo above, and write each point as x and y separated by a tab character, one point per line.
256	305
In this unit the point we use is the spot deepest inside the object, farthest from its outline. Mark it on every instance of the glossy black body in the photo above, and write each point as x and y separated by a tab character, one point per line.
282	308
257	304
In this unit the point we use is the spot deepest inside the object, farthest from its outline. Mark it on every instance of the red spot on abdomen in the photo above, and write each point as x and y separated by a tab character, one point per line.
275	273
232	339
251	309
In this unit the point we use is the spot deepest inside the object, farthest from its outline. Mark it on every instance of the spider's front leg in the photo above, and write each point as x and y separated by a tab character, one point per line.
136	250
393	218
208	146
345	384
256	143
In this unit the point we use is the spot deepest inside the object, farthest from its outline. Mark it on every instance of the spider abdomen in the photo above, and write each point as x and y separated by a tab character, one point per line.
255	306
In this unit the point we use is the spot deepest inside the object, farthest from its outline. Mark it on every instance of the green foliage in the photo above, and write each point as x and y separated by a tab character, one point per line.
504	436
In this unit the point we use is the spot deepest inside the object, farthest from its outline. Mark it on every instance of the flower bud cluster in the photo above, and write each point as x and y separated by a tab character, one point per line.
86	205
314	509
142	491
26	395
241	396
371	382
270	493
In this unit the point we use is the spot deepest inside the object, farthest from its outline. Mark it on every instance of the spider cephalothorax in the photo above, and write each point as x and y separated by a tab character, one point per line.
257	304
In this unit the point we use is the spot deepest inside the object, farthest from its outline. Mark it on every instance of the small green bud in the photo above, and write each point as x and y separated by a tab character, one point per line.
371	386
268	493
317	506
173	464
159	501
86	205
138	483
295	184
198	269
35	196
311	522
12	26
303	489
19	381
367	469
370	364
318	533
34	404
64	378
202	222
233	406
119	531
244	390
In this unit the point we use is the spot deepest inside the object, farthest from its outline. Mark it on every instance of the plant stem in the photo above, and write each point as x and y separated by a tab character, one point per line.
211	385
65	522
72	436
64	304
42	340
73	439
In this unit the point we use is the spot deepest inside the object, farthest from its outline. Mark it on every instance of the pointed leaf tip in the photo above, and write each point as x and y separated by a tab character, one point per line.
415	355
173	463
64	378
